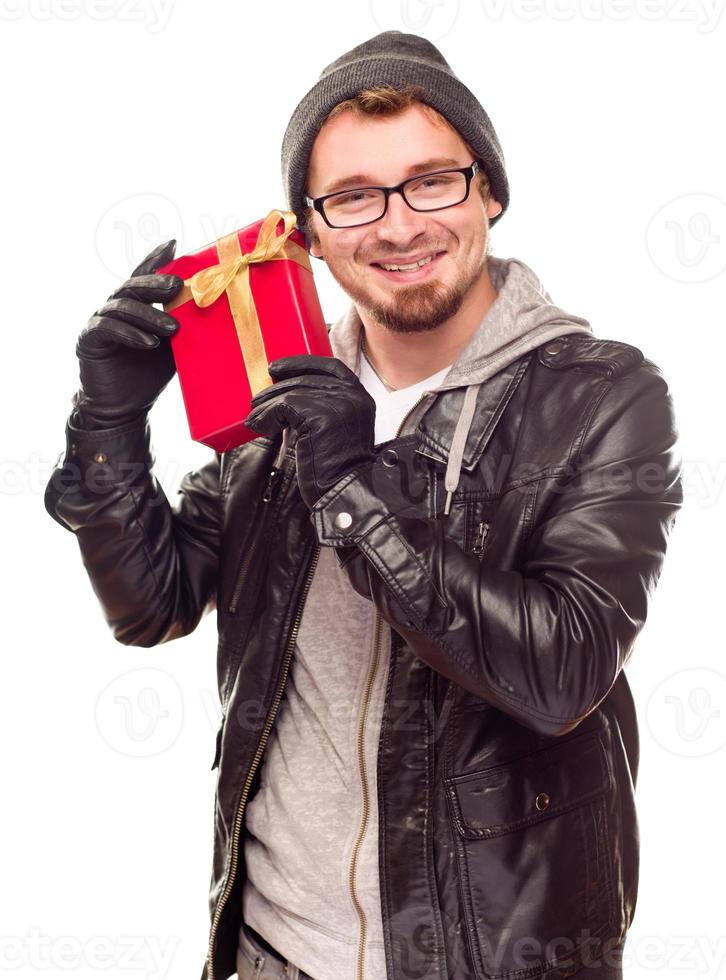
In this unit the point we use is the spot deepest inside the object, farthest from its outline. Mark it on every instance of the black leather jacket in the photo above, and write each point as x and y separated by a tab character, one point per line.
508	752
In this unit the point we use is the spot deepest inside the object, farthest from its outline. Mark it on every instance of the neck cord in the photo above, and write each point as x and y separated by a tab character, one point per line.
379	376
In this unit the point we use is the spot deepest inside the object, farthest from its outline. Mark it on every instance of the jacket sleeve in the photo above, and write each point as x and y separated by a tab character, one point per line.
543	643
152	566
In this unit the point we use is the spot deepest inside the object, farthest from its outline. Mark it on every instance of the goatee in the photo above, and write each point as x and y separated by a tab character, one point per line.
418	309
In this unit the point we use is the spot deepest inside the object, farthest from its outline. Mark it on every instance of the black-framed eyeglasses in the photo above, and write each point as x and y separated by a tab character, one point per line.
426	192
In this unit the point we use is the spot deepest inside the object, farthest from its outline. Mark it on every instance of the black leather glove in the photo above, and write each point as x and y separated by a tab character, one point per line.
124	352
331	411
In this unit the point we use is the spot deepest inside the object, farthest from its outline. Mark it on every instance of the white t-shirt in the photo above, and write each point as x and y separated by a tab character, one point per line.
392	406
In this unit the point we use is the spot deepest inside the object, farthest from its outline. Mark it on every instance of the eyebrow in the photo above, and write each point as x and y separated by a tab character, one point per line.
361	180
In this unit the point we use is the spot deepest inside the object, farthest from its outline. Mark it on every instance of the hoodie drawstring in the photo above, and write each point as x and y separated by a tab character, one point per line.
456	453
283	447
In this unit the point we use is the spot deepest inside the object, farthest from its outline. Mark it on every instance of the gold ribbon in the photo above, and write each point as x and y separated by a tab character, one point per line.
232	275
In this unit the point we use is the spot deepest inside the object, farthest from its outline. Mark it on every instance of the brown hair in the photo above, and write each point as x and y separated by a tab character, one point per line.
385	100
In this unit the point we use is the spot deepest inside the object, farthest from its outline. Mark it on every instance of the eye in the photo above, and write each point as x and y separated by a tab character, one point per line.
352	197
434	180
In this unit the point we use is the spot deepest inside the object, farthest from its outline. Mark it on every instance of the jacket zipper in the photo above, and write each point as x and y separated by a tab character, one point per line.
251	550
256	761
479	541
366	802
415	405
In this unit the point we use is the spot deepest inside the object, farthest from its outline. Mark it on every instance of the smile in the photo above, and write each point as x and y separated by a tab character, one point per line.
409	271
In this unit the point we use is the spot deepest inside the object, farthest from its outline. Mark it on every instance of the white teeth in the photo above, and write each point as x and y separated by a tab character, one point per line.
405	268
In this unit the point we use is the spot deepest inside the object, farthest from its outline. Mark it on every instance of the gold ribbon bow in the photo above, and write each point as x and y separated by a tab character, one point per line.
232	275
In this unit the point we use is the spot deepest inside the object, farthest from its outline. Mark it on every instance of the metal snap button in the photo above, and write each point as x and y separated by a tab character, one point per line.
554	347
74	449
542	801
100	458
389	457
343	520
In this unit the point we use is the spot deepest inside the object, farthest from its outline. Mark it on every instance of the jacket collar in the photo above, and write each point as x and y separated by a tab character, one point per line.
436	427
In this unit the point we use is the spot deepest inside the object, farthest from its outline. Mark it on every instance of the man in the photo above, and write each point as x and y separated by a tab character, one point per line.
429	569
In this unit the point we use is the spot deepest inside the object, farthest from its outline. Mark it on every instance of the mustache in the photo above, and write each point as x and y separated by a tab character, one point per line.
381	256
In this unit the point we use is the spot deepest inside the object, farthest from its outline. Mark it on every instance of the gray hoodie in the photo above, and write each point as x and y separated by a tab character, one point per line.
312	845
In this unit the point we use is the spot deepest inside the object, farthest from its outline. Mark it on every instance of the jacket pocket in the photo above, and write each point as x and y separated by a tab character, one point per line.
532	848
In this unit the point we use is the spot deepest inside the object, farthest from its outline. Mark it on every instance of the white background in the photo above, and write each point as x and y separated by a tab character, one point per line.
126	123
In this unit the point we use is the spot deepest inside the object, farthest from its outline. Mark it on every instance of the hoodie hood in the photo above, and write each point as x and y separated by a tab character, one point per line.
521	318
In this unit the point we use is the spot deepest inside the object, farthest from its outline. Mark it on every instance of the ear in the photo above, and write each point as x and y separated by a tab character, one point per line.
315	250
493	208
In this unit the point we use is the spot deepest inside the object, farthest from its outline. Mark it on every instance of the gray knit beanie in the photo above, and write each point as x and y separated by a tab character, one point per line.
397	59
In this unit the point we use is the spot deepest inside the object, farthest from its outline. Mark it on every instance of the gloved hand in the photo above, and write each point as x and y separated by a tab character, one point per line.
124	352
332	412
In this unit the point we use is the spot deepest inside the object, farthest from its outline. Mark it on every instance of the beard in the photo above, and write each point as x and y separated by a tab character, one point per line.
417	308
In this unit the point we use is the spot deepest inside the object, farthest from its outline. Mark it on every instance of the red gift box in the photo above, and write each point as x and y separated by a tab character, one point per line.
248	299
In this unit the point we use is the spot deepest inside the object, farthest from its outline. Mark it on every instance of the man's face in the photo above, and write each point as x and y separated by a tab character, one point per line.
384	151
